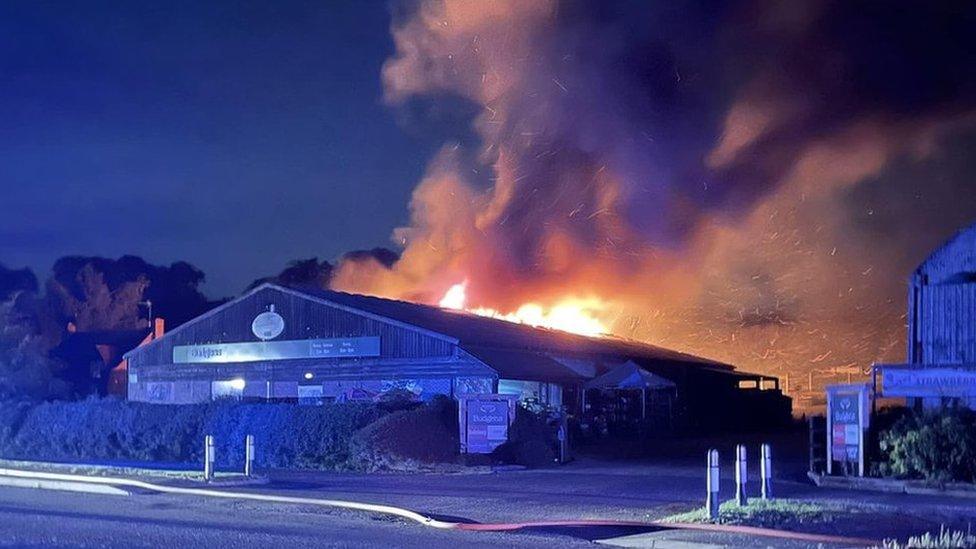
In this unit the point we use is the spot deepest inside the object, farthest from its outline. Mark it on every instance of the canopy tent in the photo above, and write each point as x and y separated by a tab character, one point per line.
629	376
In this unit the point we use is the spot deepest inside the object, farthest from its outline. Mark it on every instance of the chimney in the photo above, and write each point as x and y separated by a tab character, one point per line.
159	327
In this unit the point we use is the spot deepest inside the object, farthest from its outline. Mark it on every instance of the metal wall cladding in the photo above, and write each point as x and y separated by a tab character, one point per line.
304	319
947	317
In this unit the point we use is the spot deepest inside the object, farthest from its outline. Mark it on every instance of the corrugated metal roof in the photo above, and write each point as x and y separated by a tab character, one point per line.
525	365
478	331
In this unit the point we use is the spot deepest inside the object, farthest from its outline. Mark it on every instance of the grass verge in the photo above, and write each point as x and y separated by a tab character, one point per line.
774	513
112	470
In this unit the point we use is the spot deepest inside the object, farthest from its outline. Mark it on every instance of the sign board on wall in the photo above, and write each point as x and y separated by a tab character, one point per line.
254	351
484	421
268	325
922	382
847	420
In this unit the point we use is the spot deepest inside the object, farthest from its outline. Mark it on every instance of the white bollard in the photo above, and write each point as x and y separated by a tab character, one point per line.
208	458
249	455
741	475
766	471
711	484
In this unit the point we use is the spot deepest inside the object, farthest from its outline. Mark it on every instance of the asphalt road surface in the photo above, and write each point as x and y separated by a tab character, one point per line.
43	518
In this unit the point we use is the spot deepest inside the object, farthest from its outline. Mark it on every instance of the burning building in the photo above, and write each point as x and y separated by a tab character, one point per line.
315	346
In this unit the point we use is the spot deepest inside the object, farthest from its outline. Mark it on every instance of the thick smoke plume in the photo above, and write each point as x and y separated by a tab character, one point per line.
752	183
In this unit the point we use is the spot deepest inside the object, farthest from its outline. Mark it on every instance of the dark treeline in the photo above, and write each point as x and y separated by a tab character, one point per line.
98	294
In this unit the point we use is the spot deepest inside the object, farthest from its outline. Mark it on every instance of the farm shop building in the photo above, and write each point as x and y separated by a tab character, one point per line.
311	346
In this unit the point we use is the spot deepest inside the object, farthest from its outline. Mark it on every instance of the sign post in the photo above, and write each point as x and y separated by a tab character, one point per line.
847	421
484	421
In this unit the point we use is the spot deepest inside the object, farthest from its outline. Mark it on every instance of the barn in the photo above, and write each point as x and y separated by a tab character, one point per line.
315	346
941	366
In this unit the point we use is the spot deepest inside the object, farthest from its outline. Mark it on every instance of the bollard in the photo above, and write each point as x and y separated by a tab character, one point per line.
249	455
711	484
208	458
741	475
766	471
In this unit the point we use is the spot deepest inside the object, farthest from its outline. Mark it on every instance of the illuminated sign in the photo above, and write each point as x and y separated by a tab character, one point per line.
255	351
847	419
928	382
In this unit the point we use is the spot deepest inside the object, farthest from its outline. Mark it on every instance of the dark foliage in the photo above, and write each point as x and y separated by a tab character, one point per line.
300	273
174	290
408	438
13	281
530	441
938	446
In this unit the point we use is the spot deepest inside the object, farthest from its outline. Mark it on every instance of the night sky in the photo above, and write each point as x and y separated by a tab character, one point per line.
233	135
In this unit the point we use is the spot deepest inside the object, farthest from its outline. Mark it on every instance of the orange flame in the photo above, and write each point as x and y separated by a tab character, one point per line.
568	315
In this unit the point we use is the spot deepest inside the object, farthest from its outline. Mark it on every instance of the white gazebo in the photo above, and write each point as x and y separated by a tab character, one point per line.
629	376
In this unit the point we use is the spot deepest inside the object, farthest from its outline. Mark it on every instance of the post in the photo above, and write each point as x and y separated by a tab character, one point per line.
249	455
711	484
741	475
208	458
766	471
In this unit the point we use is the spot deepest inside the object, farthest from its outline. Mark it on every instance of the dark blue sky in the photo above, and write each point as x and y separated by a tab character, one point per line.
233	135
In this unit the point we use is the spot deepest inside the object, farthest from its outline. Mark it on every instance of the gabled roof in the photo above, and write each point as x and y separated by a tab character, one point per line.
954	261
472	330
506	343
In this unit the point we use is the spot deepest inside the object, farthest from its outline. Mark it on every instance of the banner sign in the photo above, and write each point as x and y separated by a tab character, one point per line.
928	382
255	351
484	422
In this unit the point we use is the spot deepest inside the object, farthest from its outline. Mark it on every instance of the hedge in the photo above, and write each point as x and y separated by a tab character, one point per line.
408	439
286	435
938	446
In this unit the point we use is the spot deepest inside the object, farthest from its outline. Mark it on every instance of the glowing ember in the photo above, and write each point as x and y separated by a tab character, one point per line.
568	315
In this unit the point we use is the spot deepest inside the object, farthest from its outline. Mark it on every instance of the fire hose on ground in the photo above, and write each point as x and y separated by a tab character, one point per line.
421	518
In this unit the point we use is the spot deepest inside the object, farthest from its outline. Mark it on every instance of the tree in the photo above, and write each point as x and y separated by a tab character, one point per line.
25	341
99	307
300	273
174	290
13	281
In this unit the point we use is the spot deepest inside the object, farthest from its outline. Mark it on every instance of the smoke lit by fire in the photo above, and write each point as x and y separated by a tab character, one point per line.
752	183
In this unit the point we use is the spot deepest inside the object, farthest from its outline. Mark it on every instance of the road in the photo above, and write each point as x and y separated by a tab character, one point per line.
583	490
42	518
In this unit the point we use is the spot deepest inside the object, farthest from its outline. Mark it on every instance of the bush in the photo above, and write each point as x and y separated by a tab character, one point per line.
408	439
286	435
530	441
935	446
